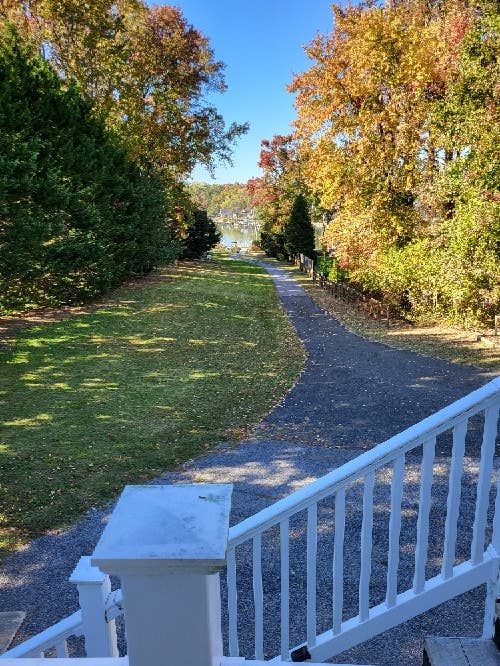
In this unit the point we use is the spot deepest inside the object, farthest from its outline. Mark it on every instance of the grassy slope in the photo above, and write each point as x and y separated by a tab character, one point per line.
153	377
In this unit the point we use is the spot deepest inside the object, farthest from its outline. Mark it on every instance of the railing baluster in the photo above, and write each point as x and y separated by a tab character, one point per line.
495	537
484	483
338	561
232	603
366	547
285	588
429	450
453	502
397	484
312	549
62	649
258	597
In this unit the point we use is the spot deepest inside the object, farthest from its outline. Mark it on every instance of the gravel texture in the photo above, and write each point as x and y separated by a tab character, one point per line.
351	395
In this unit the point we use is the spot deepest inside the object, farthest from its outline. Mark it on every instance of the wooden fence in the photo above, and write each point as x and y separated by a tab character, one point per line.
371	306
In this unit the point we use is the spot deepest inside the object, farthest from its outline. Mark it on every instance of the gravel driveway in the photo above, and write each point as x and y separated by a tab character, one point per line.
352	394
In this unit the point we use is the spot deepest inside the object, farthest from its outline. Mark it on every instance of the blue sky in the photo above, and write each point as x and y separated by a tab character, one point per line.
261	42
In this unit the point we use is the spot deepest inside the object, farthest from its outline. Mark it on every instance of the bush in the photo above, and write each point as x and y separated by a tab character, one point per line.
329	268
273	244
201	235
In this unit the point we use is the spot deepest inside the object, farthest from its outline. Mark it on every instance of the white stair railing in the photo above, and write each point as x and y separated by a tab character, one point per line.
328	509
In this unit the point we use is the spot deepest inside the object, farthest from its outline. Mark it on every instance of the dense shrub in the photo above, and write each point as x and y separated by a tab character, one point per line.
77	217
328	267
273	244
201	235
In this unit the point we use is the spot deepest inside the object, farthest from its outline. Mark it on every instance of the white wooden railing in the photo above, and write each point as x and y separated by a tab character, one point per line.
280	560
340	502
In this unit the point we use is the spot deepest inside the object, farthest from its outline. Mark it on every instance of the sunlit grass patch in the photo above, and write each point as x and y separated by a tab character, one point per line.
131	389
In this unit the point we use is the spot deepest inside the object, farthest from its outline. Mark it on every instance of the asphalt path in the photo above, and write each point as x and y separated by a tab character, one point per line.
351	395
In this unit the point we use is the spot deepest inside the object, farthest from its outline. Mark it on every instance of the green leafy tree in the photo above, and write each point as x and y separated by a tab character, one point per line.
146	72
299	232
201	235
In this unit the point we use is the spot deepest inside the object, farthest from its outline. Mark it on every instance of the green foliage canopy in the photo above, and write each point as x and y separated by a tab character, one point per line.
398	130
77	216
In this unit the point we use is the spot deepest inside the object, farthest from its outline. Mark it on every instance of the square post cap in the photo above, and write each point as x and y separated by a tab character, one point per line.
166	529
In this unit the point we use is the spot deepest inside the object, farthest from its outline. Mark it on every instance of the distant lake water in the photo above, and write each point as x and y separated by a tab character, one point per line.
242	237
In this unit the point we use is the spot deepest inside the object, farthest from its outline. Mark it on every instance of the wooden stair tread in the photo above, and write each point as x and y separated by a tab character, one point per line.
461	652
10	621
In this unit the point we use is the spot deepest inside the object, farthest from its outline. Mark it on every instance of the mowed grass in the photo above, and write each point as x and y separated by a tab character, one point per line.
157	375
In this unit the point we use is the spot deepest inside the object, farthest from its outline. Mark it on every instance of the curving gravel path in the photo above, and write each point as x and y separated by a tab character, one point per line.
351	395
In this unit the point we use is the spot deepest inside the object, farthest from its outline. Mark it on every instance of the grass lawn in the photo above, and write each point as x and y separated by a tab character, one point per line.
437	339
156	375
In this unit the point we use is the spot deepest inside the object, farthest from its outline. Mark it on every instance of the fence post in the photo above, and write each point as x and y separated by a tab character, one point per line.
94	588
168	544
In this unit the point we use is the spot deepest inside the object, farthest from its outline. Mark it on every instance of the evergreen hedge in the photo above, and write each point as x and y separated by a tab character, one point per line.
77	216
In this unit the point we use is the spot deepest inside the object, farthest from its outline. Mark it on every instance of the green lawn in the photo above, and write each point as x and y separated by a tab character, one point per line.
155	376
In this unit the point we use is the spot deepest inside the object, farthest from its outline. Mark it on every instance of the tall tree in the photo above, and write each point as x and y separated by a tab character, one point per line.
299	232
273	194
362	111
145	70
201	235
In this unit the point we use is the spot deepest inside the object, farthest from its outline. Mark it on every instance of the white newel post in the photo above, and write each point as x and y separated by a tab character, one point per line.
94	588
168	544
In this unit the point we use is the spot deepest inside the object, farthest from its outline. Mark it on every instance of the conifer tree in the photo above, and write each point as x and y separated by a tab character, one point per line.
299	232
77	216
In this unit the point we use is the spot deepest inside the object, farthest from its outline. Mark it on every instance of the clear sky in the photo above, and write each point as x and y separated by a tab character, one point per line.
261	42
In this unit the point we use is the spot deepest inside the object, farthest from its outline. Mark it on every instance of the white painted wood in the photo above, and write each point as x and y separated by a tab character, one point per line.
312	551
67	662
495	538
94	588
397	485
366	547
489	609
483	484
453	500
258	596
338	560
47	639
62	649
114	605
193	520
465	577
285	588
429	450
380	455
167	558
232	603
